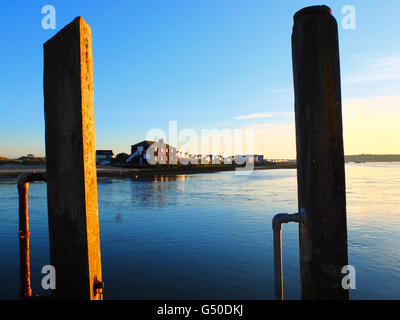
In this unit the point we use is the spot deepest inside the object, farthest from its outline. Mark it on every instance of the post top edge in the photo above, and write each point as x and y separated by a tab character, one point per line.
79	21
312	10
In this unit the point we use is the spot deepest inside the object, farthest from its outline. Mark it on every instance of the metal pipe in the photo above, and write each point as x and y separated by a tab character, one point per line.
278	264
277	222
23	187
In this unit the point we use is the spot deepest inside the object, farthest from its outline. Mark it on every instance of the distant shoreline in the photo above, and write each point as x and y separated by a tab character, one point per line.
372	158
115	171
11	170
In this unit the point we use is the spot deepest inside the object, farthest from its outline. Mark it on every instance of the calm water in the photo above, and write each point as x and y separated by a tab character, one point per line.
210	237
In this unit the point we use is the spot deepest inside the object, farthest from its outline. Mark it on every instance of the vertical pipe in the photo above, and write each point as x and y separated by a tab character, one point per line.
320	157
25	273
278	266
71	164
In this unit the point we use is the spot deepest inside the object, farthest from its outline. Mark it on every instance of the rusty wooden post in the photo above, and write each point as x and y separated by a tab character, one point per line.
71	165
320	157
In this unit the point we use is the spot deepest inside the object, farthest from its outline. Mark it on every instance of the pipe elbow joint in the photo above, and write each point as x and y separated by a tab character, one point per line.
28	177
281	218
278	220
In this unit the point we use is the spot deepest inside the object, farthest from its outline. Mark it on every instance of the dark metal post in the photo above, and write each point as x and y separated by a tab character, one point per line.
320	157
71	164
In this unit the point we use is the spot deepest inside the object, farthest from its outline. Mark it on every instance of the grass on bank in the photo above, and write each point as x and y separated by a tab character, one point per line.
23	160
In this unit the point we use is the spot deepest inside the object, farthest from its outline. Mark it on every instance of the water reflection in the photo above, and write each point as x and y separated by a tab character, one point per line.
159	191
212	234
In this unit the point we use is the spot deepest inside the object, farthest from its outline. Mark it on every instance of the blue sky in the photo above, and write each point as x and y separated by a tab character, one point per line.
205	63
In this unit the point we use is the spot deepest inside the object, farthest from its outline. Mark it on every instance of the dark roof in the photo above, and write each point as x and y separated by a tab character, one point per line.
104	152
149	143
144	142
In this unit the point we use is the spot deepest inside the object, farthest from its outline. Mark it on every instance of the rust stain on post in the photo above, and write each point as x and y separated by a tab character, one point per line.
71	164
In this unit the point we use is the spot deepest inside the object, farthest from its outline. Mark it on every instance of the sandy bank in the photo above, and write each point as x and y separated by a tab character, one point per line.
13	170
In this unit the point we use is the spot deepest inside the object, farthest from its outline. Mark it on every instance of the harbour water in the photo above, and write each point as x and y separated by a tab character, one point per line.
209	236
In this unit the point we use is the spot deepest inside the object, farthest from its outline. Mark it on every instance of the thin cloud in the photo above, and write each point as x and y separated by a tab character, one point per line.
377	70
262	115
254	116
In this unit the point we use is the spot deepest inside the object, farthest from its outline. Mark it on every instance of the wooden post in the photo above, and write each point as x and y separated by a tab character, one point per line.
71	164
320	157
